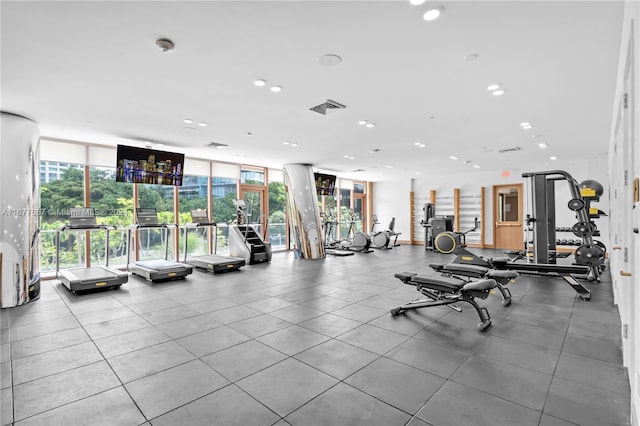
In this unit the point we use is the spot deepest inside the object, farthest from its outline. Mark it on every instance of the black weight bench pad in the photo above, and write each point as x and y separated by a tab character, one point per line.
445	284
541	267
502	274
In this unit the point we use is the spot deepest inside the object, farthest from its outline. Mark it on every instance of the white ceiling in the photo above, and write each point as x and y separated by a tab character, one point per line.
65	64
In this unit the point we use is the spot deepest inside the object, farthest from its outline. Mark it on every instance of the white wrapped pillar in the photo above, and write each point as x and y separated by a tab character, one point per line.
304	213
20	210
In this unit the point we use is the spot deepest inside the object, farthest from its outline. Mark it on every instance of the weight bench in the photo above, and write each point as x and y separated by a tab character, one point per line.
466	272
442	291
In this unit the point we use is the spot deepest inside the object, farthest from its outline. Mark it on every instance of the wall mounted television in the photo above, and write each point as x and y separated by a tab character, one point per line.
150	166
325	184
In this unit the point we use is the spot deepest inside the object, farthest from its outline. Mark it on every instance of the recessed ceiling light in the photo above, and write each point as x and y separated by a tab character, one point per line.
294	144
388	166
276	88
188	120
362	122
542	145
471	57
453	157
433	14
260	82
418	173
498	92
475	166
493	87
536	136
527	127
286	142
329	60
553	157
417	2
370	125
525	123
202	124
350	157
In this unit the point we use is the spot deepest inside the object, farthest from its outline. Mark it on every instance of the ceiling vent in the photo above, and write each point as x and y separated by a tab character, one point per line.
216	145
503	151
327	107
358	170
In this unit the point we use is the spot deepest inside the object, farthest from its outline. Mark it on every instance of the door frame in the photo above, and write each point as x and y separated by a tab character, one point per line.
264	200
521	196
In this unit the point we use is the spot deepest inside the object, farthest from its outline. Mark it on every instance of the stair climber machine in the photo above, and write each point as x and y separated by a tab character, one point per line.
244	241
88	277
157	269
211	262
382	239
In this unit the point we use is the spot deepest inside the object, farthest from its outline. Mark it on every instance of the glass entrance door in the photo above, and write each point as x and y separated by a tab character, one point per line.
255	214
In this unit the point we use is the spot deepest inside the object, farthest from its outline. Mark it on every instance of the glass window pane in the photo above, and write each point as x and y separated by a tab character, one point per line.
252	177
358	187
508	205
192	195
345	212
223	191
113	203
152	241
62	189
277	216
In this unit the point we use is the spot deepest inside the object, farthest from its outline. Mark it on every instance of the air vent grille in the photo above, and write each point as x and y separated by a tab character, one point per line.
216	145
503	151
327	107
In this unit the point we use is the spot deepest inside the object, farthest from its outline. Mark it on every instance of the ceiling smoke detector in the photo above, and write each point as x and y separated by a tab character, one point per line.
165	45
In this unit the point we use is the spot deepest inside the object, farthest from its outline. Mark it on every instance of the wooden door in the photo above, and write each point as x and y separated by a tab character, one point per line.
507	215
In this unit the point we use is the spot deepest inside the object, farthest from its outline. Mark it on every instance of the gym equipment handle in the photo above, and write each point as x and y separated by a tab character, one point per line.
617	248
625	273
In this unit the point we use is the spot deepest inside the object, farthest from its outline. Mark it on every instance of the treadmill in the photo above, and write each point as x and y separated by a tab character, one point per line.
158	269
211	262
87	277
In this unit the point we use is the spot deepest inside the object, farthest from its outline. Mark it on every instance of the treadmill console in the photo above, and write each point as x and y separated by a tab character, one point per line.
147	216
81	217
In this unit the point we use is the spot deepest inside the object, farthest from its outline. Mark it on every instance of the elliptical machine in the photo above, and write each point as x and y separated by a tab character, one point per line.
355	241
448	241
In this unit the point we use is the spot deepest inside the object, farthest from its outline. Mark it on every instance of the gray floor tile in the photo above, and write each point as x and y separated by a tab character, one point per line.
152	359
456	405
595	329
52	362
269	304
430	357
233	314
44	394
344	405
533	357
524	387
292	340
113	407
43	328
170	314
260	325
583	405
39	316
116	326
169	389
326	304
229	406
5	375
211	305
336	358
360	312
453	335
330	325
187	326
593	373
244	359
590	347
6	351
399	385
97	317
153	305
547	420
373	339
6	406
541	315
82	303
296	313
210	341
551	338
410	322
48	342
130	341
296	382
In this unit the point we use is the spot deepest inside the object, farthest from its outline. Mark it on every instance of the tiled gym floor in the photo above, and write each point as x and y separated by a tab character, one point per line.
312	343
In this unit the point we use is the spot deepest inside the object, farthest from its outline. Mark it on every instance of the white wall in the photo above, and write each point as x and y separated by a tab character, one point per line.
391	199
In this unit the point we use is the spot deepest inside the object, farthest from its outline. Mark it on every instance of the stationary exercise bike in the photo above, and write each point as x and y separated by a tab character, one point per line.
382	239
